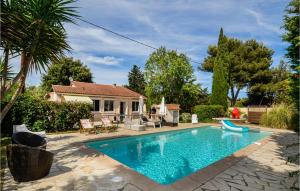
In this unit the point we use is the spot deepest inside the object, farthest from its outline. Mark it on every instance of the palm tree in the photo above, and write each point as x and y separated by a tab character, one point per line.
33	30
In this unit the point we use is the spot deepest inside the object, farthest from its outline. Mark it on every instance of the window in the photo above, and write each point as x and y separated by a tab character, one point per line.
108	105
135	106
96	104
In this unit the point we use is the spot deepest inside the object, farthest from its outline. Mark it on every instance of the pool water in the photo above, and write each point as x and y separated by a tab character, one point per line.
168	156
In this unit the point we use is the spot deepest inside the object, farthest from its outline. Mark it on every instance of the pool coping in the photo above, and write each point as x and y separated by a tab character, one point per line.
189	182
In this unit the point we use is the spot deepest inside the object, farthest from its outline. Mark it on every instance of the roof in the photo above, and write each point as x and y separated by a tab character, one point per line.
173	106
95	89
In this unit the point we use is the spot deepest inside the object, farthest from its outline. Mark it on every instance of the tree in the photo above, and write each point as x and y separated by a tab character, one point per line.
291	26
219	85
34	30
244	63
280	84
59	73
192	95
136	80
169	74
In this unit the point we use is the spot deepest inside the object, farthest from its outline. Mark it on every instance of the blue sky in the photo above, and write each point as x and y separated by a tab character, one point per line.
188	26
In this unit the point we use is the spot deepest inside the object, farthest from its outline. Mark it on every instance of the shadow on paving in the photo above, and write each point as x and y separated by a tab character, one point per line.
265	169
59	138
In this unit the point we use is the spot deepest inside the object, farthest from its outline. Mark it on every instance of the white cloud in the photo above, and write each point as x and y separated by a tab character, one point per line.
106	60
260	21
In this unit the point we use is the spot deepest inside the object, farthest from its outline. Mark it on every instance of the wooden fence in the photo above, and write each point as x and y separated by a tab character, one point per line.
255	113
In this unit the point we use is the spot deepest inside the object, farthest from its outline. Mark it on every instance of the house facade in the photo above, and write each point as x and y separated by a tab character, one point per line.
107	100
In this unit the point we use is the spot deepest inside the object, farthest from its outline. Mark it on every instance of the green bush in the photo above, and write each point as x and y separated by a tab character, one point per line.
281	116
39	125
185	118
205	113
39	114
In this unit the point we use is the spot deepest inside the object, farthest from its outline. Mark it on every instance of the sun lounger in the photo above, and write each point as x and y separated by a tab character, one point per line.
151	123
134	124
23	128
106	122
86	125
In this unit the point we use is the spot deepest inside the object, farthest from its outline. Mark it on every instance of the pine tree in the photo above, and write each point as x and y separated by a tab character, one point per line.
291	26
219	86
136	80
59	73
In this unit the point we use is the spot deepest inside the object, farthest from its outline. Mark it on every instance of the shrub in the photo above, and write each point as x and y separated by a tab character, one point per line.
205	113
66	116
281	116
39	125
39	114
185	118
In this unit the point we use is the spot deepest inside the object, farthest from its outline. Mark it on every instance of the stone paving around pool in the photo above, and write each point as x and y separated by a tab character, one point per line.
75	169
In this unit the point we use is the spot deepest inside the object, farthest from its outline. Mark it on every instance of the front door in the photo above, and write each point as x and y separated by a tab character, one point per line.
122	110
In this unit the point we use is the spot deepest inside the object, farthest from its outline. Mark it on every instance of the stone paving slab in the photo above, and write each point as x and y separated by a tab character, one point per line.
262	169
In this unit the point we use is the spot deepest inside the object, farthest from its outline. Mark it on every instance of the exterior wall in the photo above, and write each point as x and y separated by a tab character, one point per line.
169	116
54	97
128	103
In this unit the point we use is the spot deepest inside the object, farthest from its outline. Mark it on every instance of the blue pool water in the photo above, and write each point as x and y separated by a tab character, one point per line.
168	156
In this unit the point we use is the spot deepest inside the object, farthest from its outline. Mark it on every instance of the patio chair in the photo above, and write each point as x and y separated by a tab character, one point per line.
23	128
29	139
86	125
151	122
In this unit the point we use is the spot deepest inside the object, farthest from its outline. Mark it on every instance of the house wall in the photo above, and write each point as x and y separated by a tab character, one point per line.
128	103
54	97
169	116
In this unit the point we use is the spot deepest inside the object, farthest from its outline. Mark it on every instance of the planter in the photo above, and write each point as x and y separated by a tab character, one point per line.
28	163
29	139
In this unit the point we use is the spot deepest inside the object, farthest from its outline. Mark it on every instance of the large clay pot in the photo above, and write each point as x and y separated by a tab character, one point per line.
29	139
28	163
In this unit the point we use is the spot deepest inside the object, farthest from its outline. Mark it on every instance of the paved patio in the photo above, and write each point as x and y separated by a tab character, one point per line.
77	168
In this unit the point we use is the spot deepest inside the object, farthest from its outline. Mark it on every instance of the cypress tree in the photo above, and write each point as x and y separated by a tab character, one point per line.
219	86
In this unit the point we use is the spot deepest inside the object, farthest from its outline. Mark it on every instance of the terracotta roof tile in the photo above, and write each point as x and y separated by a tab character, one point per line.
173	106
95	89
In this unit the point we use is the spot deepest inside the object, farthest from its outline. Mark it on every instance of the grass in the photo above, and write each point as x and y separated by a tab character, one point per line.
3	142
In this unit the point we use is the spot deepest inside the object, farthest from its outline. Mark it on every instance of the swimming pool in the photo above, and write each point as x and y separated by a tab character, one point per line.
168	156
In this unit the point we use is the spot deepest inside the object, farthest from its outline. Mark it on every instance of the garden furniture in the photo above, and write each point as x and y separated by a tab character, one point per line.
29	139
23	128
28	163
87	126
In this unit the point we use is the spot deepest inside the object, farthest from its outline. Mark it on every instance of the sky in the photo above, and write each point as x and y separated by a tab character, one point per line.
187	26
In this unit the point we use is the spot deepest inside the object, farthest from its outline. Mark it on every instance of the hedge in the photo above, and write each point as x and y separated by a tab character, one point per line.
39	114
207	112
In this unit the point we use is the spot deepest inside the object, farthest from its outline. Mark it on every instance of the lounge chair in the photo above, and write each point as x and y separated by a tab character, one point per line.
86	125
152	123
134	124
106	122
23	128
